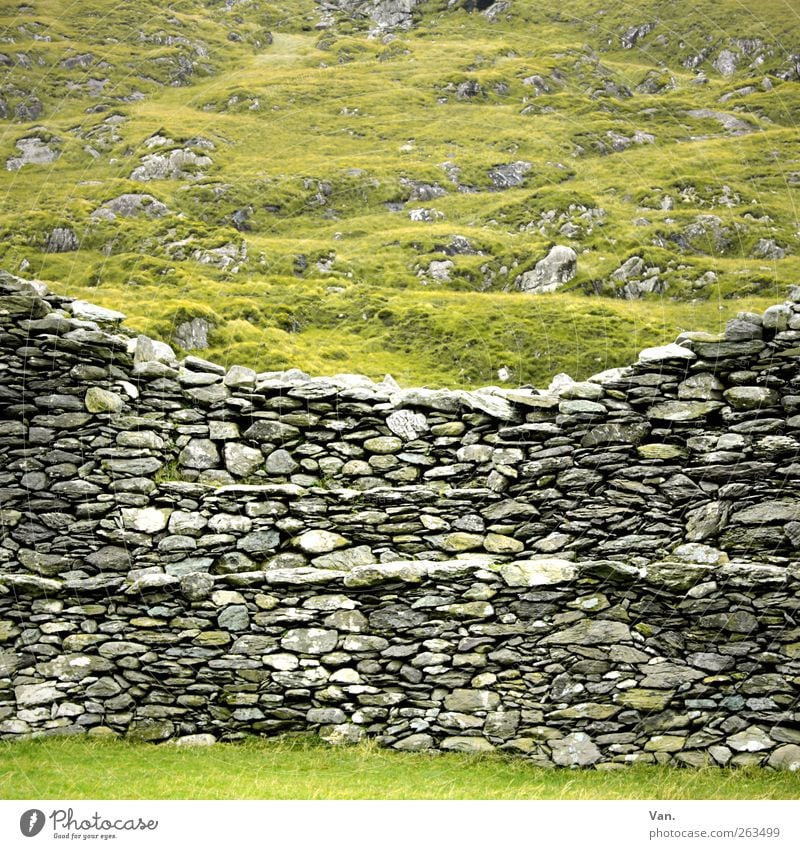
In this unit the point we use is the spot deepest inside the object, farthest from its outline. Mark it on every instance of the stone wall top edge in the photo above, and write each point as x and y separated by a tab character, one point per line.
496	401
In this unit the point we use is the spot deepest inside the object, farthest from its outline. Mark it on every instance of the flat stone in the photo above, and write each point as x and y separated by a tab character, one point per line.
786	758
468	701
99	400
457	541
408	425
474	745
242	460
667	353
345	559
576	749
383	445
682	411
199	454
665	743
195	740
501	544
414	743
752	739
751	397
30	695
590	632
643	699
534	573
310	640
766	512
146	520
319	542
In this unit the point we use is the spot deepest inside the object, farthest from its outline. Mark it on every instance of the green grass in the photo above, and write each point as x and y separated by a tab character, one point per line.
316	132
303	769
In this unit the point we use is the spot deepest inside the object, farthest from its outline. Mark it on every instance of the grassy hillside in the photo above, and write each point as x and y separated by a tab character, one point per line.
340	199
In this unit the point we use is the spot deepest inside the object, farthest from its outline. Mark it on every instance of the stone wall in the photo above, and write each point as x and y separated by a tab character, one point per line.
602	573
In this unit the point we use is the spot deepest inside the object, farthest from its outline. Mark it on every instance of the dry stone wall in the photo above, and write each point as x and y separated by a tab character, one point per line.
599	574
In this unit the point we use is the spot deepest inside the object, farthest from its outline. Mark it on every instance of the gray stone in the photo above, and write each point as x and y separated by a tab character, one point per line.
146	520
346	559
30	695
751	397
407	424
414	743
509	176
768	512
533	573
470	745
197	586
234	618
574	750
752	739
786	758
281	462
199	454
326	716
469	701
319	542
590	632
310	640
130	205
550	273
682	411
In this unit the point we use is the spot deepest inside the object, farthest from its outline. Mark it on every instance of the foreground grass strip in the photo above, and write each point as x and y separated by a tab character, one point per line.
303	769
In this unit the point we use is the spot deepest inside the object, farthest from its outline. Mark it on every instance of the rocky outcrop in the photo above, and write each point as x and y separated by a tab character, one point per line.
550	273
386	14
602	573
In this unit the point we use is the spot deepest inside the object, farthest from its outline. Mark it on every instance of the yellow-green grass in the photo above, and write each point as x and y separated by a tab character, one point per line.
363	116
301	768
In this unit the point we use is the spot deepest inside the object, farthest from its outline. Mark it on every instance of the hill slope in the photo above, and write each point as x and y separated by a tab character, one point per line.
301	186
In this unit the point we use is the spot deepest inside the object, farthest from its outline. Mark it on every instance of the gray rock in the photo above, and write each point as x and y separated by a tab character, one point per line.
320	542
30	695
509	176
234	618
99	400
766	512
470	745
180	164
768	249
193	335
33	151
199	454
751	397
197	586
682	411
310	640
416	743
130	205
242	460
550	273
469	701
752	739
576	749
62	240
281	462
786	758
590	632
533	573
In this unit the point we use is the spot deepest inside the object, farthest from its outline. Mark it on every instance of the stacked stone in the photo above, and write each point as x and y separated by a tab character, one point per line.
602	573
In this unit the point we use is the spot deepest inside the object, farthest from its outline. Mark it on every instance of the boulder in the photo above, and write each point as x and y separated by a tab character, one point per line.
550	273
